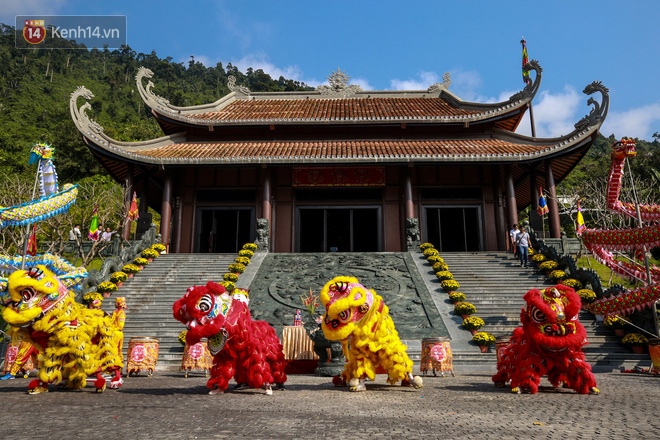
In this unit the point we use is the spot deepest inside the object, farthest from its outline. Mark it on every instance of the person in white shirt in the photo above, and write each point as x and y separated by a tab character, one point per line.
107	235
522	241
75	234
512	238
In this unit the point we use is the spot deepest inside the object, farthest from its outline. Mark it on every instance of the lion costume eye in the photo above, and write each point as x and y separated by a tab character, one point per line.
344	316
205	304
537	315
27	294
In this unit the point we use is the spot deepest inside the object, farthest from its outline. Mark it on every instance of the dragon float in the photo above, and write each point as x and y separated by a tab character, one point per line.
603	242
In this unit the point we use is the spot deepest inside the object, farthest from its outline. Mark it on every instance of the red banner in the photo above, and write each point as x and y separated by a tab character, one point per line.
339	176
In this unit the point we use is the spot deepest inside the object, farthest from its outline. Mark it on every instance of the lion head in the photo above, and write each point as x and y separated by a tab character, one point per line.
550	318
203	310
33	293
346	302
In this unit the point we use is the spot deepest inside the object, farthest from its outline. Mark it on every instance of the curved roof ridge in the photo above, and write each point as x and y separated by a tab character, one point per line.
241	97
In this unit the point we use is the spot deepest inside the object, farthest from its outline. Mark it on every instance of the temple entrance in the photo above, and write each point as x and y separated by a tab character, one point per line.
339	229
454	228
224	230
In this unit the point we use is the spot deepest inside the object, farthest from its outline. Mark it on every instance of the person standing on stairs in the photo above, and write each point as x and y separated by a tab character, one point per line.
512	239
522	243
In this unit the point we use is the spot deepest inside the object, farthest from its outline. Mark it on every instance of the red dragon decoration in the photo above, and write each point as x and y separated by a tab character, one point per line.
548	343
601	242
247	350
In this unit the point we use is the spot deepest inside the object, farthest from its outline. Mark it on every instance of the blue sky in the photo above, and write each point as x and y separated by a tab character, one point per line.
388	45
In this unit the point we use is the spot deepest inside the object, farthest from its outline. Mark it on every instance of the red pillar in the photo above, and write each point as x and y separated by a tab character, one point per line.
265	204
166	211
553	206
511	202
126	233
407	194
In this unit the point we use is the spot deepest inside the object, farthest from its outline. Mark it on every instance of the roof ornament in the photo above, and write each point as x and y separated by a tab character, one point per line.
79	115
339	85
231	83
531	86
147	93
599	111
437	87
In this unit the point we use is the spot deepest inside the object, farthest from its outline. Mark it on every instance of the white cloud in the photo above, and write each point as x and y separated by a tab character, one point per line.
554	113
638	123
10	8
260	61
423	82
362	82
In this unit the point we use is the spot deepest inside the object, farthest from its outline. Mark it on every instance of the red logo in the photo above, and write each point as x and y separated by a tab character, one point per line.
438	353
139	353
196	351
34	31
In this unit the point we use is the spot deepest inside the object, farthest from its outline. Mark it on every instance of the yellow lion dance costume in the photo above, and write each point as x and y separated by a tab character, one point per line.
73	342
359	318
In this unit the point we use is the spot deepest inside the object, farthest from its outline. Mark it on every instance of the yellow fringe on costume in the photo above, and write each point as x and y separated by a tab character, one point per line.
69	352
369	349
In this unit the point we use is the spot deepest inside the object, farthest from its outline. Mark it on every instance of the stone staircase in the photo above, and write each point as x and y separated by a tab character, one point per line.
495	283
151	294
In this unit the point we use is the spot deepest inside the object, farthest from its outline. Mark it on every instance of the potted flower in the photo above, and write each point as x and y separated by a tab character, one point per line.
616	324
440	266
160	248
557	275
245	253
93	299
430	251
548	266
444	275
483	340
141	262
106	288
250	247
150	254
464	309
130	270
572	283
118	278
237	268
182	337
456	297
230	277
636	342
435	259
538	258
450	285
242	260
229	286
586	295
425	246
473	323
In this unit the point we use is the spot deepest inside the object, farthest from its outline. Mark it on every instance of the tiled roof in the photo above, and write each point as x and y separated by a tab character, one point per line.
294	151
333	109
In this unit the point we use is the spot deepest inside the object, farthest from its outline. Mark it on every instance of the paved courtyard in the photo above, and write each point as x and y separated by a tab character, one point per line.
167	406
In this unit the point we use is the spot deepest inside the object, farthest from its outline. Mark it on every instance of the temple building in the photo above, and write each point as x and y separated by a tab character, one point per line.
341	169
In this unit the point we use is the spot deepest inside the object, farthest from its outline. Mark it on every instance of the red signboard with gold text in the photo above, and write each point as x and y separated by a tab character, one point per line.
338	176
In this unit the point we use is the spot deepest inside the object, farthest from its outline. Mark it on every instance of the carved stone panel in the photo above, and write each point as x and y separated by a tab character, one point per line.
283	278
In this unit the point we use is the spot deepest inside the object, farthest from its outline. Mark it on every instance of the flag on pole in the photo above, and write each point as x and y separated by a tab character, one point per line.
525	60
543	206
581	227
32	242
133	211
94	227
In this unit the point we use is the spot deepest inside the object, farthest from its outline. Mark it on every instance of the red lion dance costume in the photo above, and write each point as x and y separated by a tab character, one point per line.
549	343
242	348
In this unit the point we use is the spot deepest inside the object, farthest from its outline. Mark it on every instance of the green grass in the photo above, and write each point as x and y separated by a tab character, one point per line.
604	272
